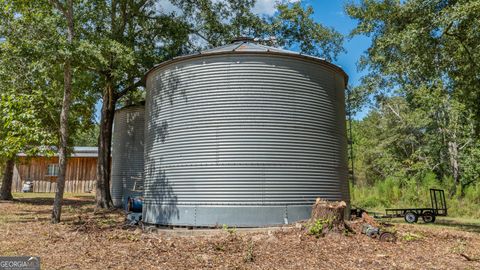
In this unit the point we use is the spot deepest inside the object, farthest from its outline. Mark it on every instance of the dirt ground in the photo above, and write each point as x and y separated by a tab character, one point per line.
101	241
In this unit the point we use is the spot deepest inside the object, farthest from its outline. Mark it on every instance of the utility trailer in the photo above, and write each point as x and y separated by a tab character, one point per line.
411	215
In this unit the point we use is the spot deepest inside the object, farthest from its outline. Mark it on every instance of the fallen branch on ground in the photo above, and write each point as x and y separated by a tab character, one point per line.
470	259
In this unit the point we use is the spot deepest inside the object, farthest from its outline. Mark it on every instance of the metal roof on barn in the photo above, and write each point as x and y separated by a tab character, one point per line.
78	151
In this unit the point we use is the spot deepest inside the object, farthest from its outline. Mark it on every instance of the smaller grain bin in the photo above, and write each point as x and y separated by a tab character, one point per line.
127	153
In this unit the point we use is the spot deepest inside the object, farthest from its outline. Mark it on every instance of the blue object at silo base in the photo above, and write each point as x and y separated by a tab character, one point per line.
134	204
233	216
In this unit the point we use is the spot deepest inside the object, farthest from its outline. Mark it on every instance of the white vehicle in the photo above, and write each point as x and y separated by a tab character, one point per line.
27	187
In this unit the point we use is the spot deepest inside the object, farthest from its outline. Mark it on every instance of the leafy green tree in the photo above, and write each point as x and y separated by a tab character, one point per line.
25	99
22	131
87	136
425	52
25	127
120	41
294	28
215	23
403	141
38	73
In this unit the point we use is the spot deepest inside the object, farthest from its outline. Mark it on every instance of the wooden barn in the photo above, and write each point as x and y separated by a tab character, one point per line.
43	171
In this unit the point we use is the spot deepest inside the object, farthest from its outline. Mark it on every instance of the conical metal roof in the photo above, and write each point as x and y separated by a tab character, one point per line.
245	45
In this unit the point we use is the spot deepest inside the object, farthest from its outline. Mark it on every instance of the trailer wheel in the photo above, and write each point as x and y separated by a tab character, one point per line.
411	217
428	217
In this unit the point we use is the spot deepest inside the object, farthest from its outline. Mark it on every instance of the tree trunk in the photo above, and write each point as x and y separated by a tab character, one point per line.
102	196
67	11
6	193
62	149
454	165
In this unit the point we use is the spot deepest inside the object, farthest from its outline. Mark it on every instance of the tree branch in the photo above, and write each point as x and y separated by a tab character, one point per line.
124	15
464	185
196	32
59	6
139	83
394	112
460	40
67	11
113	7
467	143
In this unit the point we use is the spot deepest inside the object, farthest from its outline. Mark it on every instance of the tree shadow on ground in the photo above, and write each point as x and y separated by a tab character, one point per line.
464	226
98	222
78	214
72	201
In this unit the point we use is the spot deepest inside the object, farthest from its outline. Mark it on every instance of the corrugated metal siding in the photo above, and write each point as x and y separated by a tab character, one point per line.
243	130
127	151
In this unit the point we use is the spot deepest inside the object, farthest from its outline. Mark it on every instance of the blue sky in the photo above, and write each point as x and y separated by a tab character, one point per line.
330	13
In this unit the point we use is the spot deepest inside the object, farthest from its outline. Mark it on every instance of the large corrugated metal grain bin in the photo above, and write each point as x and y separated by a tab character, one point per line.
244	135
127	152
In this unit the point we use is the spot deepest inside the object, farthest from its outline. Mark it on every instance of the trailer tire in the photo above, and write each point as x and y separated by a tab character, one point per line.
411	217
428	217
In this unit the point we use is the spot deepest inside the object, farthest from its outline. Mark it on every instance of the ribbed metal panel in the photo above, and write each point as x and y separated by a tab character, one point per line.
127	152
243	139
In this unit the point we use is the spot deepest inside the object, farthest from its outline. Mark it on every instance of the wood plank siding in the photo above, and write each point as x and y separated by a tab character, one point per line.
80	176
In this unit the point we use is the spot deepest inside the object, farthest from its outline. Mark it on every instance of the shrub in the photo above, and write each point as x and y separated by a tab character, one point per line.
319	226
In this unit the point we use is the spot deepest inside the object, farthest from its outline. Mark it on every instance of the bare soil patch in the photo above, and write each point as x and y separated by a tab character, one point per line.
85	240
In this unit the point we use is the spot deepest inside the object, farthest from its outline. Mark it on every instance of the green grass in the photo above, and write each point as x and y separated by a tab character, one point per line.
464	224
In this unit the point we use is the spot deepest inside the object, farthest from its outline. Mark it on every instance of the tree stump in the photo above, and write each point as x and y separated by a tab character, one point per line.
328	215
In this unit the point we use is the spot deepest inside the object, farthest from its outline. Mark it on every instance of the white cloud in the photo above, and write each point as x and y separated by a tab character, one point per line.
262	7
165	6
267	7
